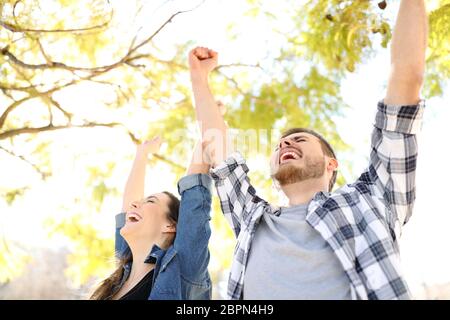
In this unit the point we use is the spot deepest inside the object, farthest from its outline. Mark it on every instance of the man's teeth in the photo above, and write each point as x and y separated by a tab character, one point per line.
292	154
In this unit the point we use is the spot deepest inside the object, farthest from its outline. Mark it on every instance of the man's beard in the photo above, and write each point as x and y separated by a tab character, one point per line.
289	173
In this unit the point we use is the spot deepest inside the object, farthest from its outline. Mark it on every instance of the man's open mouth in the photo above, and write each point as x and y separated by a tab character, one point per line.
289	154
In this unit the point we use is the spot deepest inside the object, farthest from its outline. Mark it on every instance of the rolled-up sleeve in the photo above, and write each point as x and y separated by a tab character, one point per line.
400	119
194	180
393	158
193	227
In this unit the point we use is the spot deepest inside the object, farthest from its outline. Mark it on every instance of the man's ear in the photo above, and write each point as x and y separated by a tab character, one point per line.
332	164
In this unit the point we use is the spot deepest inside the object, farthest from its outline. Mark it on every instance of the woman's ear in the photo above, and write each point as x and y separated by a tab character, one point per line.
170	228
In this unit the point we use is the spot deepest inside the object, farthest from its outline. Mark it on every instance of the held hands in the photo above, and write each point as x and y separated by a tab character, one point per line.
201	62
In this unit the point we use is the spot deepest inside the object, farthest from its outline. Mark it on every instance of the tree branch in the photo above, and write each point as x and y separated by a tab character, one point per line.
14	88
37	93
50	127
17	28
44	175
17	103
44	54
47	98
249	95
102	69
232	65
150	38
58	106
10	108
118	86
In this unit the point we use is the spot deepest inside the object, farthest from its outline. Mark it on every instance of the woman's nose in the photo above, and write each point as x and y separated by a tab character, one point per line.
135	204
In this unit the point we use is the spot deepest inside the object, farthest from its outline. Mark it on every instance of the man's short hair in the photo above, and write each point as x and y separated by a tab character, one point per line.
326	148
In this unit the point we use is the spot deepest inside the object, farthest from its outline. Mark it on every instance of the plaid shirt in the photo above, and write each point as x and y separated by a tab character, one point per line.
361	221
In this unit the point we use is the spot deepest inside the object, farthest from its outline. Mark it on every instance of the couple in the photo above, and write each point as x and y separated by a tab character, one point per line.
324	245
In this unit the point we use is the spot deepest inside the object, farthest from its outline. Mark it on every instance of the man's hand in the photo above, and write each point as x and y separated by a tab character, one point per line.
201	62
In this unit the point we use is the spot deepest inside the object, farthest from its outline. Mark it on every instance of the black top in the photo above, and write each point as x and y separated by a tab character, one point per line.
142	290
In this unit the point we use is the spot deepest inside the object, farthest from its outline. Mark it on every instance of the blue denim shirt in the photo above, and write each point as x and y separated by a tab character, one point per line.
181	271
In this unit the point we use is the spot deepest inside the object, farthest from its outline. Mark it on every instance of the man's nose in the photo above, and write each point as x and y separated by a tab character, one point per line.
284	143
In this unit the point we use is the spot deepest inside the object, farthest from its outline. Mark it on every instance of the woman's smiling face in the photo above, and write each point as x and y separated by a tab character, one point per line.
147	218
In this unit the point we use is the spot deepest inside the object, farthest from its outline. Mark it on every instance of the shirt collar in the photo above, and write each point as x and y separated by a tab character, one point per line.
321	196
155	254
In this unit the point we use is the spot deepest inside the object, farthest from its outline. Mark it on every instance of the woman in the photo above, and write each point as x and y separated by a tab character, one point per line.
161	242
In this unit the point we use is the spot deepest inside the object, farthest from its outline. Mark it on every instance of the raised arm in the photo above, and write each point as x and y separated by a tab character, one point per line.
408	46
393	158
212	126
193	230
198	165
134	188
238	198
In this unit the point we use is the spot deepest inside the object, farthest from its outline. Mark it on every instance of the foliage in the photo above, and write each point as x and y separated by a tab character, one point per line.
55	53
13	260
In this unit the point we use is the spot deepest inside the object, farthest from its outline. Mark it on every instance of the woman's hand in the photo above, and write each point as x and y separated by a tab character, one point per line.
150	146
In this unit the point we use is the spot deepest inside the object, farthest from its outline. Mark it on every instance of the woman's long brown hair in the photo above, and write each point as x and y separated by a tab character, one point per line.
106	289
109	286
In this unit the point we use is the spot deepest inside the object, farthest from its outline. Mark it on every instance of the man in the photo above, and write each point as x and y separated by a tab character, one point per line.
340	245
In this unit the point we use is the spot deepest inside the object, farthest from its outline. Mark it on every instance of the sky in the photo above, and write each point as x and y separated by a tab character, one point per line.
425	237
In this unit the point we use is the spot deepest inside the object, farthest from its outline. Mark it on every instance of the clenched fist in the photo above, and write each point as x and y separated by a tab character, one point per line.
201	62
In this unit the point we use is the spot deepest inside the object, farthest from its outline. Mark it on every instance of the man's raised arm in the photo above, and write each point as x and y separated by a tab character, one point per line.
394	151
238	198
408	47
213	129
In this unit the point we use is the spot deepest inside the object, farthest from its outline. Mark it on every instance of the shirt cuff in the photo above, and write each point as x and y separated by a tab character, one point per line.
193	180
402	119
224	169
120	220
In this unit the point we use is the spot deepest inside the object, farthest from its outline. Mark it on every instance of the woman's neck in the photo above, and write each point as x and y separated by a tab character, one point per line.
139	266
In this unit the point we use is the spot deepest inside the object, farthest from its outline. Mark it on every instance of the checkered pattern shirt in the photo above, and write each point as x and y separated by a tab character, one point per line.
360	221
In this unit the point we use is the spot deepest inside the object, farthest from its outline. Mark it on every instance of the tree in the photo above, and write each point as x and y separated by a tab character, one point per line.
51	54
37	74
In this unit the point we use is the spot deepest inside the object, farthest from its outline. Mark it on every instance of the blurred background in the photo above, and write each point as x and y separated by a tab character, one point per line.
81	82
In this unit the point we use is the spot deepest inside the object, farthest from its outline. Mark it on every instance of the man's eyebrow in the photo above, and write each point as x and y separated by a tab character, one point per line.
297	136
294	137
301	136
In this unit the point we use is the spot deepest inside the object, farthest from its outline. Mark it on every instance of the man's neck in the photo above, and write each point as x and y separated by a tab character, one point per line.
302	192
